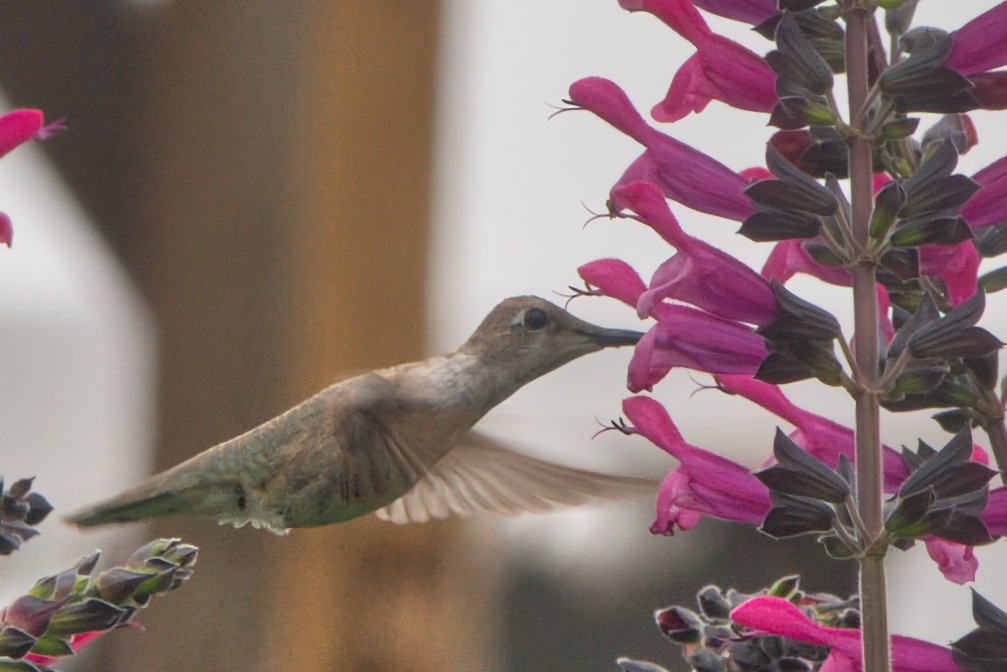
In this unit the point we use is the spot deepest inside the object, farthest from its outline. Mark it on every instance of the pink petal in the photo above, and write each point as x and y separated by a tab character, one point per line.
683	174
956	562
989	204
689	338
979	45
994	516
699	274
6	230
614	278
789	258
703	484
777	616
18	127
721	69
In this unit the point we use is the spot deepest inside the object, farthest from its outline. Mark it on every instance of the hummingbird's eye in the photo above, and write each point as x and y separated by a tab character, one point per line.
535	319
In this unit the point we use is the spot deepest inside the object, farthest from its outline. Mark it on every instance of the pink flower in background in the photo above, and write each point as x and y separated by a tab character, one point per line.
719	70
776	616
683	174
17	128
704	484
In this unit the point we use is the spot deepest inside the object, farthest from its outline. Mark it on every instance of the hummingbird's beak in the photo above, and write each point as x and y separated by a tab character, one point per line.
613	338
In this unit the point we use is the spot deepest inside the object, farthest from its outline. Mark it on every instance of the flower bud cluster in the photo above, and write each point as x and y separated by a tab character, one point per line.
63	612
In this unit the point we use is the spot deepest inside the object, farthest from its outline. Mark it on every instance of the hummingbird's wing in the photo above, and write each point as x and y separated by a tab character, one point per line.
480	476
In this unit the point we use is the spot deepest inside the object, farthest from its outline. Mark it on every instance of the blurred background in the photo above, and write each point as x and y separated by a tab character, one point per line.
257	197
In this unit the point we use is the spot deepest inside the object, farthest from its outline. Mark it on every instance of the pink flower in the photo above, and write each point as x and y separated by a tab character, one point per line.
789	257
17	128
20	126
614	278
689	338
957	265
682	173
776	616
683	336
979	45
6	230
820	437
956	562
994	516
719	70
702	484
699	274
989	204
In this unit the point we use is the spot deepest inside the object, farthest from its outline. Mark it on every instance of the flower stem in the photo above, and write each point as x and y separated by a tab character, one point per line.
997	434
873	598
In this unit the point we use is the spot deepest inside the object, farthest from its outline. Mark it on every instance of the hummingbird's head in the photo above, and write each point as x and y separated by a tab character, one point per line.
530	337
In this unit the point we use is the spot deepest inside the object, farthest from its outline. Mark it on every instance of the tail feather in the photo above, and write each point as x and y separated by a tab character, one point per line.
167	494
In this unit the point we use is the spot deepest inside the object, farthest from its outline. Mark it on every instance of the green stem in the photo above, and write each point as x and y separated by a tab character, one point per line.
874	628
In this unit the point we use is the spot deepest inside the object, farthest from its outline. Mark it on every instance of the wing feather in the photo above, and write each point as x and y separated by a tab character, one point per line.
479	476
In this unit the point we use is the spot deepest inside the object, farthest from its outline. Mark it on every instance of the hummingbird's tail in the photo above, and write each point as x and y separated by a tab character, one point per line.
178	491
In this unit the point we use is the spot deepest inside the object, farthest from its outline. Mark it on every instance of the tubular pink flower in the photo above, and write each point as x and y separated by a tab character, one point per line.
994	516
683	174
689	338
6	230
16	128
614	278
989	204
719	70
699	274
979	45
789	258
704	484
956	265
776	616
956	562
820	437
20	126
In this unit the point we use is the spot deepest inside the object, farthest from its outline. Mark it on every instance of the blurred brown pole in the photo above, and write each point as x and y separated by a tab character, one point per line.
365	595
281	200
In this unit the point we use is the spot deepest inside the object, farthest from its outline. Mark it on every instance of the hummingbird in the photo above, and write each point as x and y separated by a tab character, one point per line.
397	442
